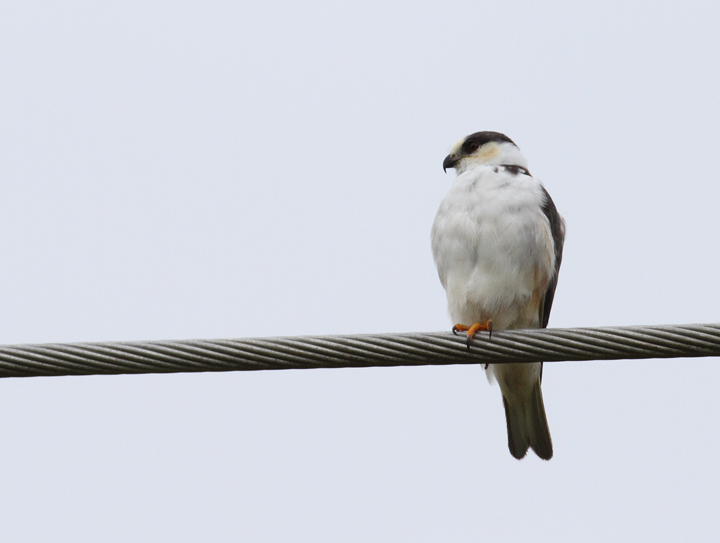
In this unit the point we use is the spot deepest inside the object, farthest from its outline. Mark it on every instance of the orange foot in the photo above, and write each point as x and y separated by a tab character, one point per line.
472	329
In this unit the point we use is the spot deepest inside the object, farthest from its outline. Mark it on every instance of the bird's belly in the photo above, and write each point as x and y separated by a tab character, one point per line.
494	267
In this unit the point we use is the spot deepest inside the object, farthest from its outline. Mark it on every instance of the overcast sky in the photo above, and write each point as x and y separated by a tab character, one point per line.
181	170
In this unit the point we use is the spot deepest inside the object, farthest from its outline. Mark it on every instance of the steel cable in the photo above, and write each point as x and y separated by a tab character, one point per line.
549	345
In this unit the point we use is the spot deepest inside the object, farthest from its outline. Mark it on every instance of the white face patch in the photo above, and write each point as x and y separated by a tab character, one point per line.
455	150
483	155
493	152
486	153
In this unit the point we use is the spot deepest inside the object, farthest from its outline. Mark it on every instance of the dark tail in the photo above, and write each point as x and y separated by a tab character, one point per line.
527	425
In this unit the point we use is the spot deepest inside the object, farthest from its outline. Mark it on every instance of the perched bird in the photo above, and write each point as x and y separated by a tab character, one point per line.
497	241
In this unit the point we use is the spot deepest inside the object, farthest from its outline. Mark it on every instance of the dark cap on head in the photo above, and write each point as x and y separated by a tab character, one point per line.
481	138
471	144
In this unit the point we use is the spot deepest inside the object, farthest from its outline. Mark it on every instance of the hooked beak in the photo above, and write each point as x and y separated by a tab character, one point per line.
450	162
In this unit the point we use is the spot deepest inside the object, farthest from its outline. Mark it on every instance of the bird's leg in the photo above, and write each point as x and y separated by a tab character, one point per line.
471	330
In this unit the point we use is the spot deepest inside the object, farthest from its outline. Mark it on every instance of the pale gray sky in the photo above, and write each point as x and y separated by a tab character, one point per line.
178	170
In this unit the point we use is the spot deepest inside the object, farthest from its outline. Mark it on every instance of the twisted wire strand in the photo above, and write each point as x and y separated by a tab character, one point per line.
548	345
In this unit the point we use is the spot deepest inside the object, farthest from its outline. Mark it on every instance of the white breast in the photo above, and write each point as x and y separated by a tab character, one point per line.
493	248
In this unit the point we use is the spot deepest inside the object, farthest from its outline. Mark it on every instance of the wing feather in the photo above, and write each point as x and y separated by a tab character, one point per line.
557	230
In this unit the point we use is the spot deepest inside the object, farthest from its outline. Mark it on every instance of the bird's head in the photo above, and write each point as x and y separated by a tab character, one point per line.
483	148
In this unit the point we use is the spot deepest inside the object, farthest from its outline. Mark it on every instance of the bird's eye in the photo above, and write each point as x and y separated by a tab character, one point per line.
471	146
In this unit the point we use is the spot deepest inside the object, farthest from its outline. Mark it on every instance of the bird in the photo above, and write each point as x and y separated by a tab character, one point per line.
497	241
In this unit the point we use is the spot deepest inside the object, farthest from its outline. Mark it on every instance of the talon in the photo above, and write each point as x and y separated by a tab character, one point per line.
471	333
475	327
459	328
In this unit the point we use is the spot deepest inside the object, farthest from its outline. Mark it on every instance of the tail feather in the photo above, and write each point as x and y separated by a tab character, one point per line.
517	439
527	425
538	428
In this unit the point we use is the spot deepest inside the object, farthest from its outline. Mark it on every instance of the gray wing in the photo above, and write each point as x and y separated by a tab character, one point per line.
557	229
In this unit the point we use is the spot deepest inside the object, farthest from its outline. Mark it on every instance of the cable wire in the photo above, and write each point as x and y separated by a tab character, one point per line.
356	351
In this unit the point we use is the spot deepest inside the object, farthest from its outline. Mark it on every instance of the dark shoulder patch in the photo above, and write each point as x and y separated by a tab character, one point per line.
515	170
